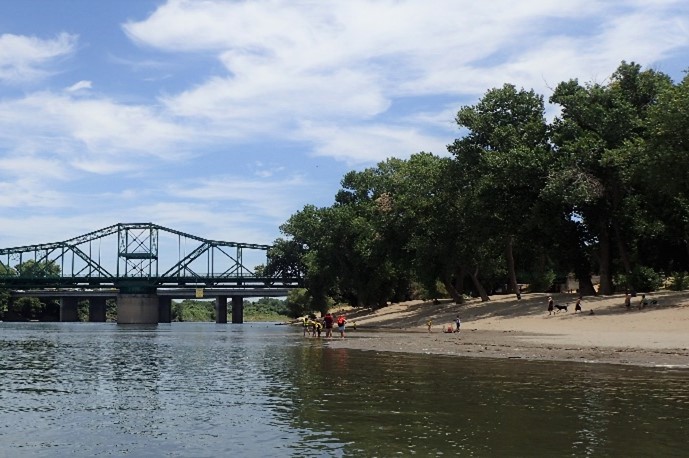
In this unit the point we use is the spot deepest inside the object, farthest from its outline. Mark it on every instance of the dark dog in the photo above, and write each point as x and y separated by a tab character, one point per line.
560	307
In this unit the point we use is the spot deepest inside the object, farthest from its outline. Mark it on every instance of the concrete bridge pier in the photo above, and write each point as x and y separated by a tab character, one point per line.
137	308
68	309
237	309
221	309
97	307
164	309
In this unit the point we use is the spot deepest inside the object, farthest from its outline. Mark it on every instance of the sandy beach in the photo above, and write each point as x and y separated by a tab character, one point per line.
504	327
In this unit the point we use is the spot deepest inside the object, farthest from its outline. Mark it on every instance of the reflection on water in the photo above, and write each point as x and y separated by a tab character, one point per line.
185	389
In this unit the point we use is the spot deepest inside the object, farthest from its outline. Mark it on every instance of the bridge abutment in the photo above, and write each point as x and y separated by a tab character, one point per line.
68	309
237	309
221	309
137	309
97	307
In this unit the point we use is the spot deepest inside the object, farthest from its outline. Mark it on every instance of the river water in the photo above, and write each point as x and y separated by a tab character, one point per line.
209	390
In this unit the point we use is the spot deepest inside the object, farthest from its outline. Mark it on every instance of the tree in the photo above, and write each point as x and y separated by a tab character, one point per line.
664	167
38	269
502	162
597	137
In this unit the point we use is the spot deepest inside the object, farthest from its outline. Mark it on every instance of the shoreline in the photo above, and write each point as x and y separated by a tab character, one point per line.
604	333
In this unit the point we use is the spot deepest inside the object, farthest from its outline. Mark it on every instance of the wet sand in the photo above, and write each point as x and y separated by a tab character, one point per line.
656	336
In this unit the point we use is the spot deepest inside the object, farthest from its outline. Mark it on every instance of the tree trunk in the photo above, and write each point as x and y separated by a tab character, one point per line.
605	262
460	273
625	259
509	255
458	298
479	287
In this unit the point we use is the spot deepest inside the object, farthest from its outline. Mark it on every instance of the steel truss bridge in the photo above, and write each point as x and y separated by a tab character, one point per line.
139	258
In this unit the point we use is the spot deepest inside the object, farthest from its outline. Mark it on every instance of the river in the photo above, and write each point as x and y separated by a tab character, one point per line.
258	389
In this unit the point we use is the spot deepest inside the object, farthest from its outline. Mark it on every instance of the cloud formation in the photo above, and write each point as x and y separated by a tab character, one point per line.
27	59
217	116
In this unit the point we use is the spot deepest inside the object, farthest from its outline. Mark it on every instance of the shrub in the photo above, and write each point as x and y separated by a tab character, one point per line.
679	281
644	279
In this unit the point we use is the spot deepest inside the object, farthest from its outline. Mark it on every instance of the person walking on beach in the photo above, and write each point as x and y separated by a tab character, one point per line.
550	305
429	323
458	323
628	301
577	305
341	322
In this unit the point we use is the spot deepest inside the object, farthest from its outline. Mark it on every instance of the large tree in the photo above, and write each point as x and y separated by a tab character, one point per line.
597	137
502	162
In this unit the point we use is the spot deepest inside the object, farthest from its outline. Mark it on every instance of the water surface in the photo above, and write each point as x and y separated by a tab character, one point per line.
208	390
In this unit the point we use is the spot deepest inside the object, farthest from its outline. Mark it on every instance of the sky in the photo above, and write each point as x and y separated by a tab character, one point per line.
223	118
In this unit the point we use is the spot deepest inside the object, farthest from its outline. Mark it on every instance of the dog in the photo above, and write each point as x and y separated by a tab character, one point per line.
560	307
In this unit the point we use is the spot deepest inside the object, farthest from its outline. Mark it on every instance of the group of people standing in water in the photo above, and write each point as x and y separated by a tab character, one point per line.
313	326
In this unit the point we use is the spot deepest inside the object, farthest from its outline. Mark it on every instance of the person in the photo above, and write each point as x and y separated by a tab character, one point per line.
577	305
341	322
318	325
643	302
628	301
328	321
458	323
429	324
306	325
550	305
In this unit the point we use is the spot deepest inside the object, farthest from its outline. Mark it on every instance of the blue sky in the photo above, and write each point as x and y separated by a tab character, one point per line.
223	118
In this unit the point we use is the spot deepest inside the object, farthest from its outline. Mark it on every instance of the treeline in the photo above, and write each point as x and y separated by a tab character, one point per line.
48	309
264	309
601	190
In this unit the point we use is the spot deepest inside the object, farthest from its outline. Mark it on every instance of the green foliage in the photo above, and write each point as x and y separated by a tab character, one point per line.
602	189
26	308
35	269
643	278
679	281
266	309
539	281
193	310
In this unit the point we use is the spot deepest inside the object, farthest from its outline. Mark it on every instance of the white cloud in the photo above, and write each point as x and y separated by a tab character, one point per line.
98	135
26	59
79	86
352	144
291	64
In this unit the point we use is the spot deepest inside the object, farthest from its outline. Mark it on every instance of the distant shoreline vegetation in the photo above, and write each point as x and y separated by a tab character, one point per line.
265	309
48	309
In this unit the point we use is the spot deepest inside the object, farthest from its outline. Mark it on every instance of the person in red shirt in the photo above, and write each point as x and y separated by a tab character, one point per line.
341	321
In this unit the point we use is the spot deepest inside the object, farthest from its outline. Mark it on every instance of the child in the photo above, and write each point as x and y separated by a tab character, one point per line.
458	323
577	306
429	324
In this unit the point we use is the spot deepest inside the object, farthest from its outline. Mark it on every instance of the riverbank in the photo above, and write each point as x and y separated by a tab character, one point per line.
604	332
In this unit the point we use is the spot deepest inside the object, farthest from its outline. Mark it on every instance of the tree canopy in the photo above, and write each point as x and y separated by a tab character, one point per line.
601	190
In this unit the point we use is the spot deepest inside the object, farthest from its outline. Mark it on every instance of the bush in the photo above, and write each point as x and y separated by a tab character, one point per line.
541	281
644	279
679	281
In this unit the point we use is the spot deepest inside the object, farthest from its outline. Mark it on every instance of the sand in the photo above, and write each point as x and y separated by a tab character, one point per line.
656	336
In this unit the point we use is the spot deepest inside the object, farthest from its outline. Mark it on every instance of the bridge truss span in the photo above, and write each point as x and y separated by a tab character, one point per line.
138	257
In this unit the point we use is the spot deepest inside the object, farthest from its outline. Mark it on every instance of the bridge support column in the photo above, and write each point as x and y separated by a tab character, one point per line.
97	306
237	309
164	309
221	309
68	309
137	309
